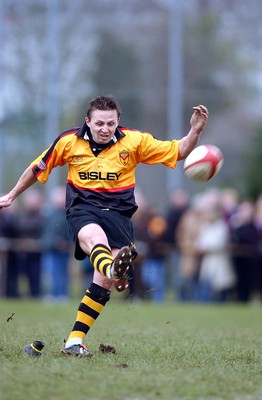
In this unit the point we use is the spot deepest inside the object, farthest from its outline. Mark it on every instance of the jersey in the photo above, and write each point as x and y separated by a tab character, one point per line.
103	175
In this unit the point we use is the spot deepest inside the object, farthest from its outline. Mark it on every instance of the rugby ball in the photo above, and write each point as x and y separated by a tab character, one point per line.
203	163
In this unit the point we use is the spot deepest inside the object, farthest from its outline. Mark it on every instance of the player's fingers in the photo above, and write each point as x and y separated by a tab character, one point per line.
202	110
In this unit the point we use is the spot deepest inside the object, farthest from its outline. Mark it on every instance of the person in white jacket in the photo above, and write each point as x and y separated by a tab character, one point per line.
216	275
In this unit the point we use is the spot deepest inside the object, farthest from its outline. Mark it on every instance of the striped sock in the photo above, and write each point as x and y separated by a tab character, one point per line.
102	259
89	310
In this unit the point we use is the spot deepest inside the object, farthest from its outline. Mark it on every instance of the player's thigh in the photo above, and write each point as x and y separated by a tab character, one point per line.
90	235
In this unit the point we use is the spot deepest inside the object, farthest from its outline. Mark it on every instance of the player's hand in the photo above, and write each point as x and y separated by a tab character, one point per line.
199	118
5	201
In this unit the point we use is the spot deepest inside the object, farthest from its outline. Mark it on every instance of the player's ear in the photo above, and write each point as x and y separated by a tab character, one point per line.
87	121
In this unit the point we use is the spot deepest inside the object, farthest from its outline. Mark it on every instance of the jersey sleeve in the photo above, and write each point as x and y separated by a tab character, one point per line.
52	157
154	151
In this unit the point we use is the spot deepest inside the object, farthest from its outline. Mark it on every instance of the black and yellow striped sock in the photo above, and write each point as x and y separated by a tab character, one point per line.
89	310
102	258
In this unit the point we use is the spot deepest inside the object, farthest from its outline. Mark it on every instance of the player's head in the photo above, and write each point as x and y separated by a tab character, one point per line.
102	118
103	103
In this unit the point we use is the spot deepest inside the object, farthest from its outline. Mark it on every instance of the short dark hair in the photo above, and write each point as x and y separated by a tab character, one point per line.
103	103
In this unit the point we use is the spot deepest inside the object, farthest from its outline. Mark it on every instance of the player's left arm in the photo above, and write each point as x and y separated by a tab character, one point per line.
198	122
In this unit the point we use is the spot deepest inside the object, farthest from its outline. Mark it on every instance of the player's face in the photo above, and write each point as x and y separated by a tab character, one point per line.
102	125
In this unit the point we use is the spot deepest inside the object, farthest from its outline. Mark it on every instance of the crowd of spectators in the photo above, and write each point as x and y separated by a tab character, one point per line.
203	248
35	247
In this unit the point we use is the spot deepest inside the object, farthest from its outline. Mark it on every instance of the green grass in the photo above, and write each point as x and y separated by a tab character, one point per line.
170	351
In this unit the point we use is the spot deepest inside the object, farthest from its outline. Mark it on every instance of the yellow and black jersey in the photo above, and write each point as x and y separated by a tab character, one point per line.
103	175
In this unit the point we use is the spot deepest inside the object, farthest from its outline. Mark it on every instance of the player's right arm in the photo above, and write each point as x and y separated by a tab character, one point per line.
26	180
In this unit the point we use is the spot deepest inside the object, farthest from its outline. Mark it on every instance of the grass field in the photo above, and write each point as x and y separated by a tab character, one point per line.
172	351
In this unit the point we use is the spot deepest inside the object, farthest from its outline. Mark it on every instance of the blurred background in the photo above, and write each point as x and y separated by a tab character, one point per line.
159	58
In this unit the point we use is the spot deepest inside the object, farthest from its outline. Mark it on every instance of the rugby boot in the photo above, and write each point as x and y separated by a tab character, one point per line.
76	349
121	284
122	262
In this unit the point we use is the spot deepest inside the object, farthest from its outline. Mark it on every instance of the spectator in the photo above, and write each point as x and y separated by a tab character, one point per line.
29	226
10	267
258	264
140	220
178	205
229	199
58	248
153	266
216	276
243	249
188	265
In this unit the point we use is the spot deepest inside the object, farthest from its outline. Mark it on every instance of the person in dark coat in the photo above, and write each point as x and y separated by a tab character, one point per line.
243	248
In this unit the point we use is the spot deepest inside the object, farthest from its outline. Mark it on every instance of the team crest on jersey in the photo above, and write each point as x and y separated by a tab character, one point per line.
42	165
124	157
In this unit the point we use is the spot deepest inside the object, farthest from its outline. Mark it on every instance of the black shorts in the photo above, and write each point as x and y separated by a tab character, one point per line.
118	228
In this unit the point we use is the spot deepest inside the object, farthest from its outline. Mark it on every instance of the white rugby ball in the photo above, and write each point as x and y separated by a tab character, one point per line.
203	163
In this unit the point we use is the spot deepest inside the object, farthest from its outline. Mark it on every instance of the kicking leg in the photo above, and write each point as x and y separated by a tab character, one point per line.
107	270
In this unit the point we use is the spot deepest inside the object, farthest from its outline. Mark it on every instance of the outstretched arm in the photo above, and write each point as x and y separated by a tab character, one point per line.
198	122
26	180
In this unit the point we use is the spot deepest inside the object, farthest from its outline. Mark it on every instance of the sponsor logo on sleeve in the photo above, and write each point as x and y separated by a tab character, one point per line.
42	165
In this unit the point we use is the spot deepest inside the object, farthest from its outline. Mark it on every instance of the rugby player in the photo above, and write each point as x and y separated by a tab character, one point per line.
102	157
